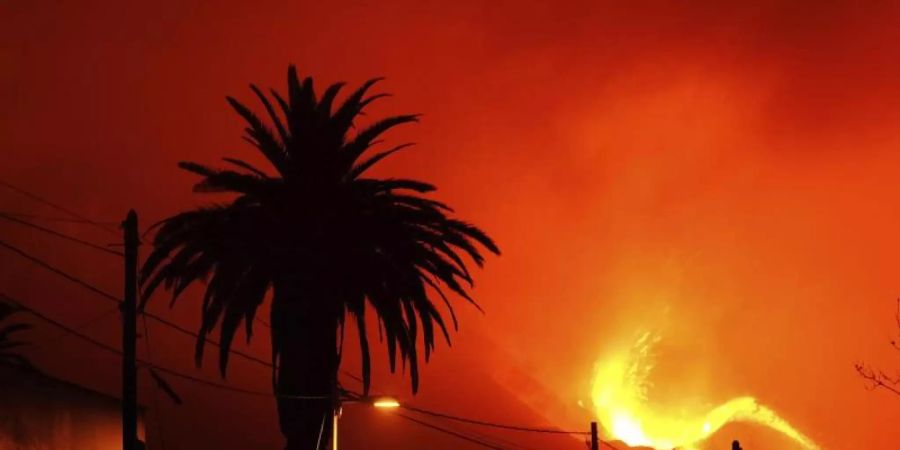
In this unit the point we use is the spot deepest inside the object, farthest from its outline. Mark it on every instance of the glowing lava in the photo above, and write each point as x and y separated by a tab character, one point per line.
620	399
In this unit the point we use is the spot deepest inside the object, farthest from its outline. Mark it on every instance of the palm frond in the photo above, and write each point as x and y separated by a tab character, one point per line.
342	119
247	166
324	108
261	137
364	139
7	332
358	170
273	116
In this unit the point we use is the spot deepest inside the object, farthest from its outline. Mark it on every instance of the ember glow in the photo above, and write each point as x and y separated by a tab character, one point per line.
621	401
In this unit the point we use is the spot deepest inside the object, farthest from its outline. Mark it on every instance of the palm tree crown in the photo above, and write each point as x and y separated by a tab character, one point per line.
7	330
314	221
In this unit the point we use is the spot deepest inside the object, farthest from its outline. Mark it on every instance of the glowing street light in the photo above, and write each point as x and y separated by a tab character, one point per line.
377	402
386	403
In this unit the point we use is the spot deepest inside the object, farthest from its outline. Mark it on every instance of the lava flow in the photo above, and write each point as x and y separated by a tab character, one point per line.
621	403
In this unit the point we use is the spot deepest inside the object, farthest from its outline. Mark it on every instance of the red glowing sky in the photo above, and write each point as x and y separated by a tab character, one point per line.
732	168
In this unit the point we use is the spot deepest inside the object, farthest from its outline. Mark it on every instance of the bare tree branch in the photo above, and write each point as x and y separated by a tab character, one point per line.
876	378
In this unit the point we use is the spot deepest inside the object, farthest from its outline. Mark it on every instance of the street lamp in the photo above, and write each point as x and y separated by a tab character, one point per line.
379	402
386	403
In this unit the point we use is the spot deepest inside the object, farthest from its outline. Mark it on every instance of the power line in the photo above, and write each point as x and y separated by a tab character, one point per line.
198	380
226	387
111	297
504	441
55	206
59	272
484	423
353	376
492	424
106	295
81	219
450	432
497	439
486	439
81	326
112	349
480	439
51	218
66	328
53	232
159	368
15	218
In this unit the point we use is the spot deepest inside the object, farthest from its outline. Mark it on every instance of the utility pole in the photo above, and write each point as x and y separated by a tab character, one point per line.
595	438
129	335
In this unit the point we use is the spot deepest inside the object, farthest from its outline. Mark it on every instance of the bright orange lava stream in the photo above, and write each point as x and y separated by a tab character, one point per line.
620	401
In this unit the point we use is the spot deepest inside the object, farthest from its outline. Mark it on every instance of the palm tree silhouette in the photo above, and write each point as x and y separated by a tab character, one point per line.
325	240
7	344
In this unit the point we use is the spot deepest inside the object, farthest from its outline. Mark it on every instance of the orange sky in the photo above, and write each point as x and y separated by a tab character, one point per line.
726	172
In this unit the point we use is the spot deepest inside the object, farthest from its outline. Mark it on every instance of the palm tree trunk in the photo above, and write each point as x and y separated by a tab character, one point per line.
304	327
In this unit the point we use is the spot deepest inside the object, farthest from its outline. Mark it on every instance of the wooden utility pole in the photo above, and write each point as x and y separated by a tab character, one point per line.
129	335
595	438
